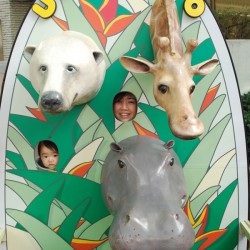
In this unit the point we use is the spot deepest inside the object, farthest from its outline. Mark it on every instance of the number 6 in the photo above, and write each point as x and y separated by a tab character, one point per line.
194	8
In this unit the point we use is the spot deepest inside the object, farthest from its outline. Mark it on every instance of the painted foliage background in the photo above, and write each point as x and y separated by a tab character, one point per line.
71	211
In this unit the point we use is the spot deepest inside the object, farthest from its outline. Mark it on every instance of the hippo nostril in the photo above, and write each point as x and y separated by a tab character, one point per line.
110	201
127	218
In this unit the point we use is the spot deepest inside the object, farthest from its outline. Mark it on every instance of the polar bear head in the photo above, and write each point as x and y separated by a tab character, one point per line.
66	69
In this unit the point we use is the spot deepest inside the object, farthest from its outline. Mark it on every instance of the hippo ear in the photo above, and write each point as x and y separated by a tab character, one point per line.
168	145
29	51
98	55
116	147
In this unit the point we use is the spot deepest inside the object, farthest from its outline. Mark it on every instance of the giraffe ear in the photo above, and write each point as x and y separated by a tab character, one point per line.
136	65
205	67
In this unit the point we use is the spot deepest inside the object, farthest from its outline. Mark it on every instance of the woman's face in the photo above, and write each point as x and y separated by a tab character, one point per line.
49	157
126	108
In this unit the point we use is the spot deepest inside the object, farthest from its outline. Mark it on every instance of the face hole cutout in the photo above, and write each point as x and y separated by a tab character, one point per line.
46	155
125	106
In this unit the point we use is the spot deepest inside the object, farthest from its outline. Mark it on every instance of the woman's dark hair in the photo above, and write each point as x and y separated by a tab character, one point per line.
48	144
118	97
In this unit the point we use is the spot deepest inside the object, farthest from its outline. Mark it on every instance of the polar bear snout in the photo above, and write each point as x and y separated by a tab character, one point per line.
52	102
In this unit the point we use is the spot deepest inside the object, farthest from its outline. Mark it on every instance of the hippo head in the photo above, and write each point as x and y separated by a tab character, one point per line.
143	187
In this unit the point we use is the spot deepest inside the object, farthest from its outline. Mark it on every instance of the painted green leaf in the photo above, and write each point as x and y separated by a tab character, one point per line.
179	5
87	137
103	149
81	229
16	160
123	130
125	41
39	207
194	165
75	189
45	237
94	174
143	37
24	148
215	214
210	112
67	229
28	194
212	179
202	53
84	123
97	230
11	164
191	32
146	83
131	85
202	199
202	88
27	84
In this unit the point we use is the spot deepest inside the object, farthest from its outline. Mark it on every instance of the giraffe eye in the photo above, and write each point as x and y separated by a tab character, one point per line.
192	88
163	88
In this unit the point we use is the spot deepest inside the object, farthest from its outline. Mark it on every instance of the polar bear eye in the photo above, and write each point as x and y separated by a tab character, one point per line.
71	68
43	68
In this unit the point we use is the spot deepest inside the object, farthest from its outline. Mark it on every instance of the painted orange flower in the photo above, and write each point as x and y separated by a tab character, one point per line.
103	20
209	97
208	238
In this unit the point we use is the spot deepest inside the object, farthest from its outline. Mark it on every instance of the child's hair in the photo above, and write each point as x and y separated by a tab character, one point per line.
120	95
48	144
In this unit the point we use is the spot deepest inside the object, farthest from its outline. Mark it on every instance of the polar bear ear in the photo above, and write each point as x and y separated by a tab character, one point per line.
98	56
28	51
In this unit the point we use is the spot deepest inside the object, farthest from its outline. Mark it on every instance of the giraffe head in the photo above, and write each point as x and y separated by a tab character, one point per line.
173	73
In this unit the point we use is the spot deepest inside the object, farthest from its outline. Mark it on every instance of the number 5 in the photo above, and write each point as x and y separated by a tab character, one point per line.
47	11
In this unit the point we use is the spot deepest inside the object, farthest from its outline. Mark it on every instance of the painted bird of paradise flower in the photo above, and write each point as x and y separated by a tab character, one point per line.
103	20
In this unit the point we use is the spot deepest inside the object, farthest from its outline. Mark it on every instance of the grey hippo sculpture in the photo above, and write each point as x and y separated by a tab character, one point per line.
143	186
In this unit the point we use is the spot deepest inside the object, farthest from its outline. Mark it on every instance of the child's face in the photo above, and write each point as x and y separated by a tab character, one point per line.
49	157
126	108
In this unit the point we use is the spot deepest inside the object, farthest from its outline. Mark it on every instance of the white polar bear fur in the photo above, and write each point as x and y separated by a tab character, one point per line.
57	53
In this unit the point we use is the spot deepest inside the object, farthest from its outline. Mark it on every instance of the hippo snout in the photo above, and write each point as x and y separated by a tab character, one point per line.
51	101
151	232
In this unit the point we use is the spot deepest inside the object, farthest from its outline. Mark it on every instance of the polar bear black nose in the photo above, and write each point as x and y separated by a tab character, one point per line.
51	101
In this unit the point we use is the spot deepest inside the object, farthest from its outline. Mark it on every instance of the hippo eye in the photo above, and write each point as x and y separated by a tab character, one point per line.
43	68
71	68
192	88
121	164
171	162
163	88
